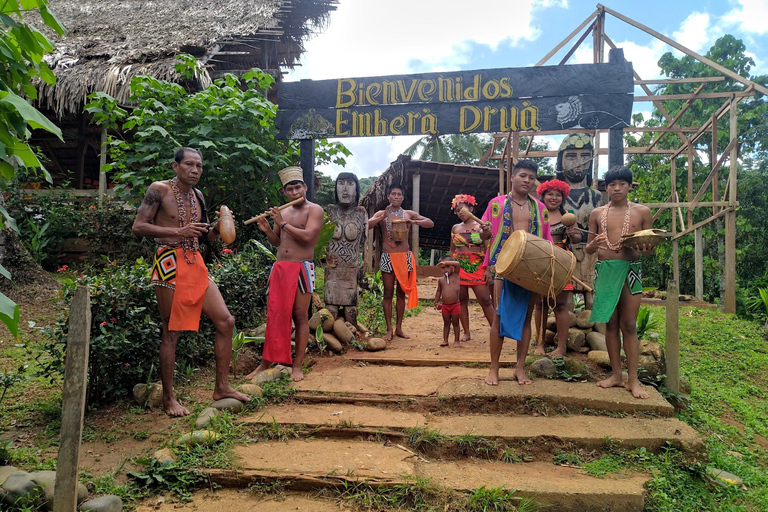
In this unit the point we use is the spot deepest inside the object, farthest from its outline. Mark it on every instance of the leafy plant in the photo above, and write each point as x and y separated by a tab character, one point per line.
239	339
39	240
497	499
759	304
9	378
168	476
646	322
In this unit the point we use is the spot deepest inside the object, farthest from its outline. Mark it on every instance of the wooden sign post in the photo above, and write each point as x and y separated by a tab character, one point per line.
73	401
673	337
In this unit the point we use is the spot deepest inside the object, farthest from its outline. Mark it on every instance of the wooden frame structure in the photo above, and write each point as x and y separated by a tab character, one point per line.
723	204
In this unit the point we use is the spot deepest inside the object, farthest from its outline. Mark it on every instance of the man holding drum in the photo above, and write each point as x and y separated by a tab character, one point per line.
618	279
518	210
292	279
173	214
397	261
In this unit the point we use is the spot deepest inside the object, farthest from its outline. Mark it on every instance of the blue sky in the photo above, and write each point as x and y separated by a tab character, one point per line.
375	37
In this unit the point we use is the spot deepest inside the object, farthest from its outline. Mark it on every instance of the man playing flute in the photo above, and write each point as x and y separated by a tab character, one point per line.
292	279
172	213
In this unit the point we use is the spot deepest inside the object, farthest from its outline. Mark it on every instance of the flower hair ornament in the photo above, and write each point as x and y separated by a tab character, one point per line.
463	198
558	185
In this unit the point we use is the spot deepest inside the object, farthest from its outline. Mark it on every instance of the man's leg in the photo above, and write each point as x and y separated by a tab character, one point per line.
301	322
464	316
400	313
171	405
613	343
495	342
524	343
483	296
215	309
388	279
628	307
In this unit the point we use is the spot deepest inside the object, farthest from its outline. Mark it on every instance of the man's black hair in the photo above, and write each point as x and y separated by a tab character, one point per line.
526	164
346	176
393	186
618	172
294	182
178	155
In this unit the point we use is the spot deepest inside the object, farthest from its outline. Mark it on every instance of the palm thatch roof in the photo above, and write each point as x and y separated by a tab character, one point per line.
108	42
439	183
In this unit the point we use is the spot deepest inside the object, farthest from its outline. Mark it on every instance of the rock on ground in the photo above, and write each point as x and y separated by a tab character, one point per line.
21	489
251	389
576	339
596	341
47	479
205	417
571	319
151	395
228	404
5	471
543	367
601	358
108	503
582	320
651	360
266	376
164	456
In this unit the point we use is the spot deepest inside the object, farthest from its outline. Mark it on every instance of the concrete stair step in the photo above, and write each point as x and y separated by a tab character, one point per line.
538	434
314	464
463	389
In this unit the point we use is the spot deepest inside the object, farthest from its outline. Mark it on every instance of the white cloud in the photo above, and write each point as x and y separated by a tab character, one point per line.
749	16
695	32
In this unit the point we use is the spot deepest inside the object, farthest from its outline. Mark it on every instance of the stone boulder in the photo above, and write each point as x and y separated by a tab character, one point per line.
576	339
596	341
573	367
582	320
47	479
600	327
549	338
151	395
251	389
108	503
232	405
571	319
552	324
205	417
5	472
651	362
21	489
164	456
543	367
601	358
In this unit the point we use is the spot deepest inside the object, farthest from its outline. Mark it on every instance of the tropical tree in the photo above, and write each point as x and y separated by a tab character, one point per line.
22	48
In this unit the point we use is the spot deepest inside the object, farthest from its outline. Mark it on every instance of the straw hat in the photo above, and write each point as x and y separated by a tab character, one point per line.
290	174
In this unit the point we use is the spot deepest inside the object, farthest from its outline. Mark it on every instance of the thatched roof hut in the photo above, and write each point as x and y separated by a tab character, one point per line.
109	42
438	184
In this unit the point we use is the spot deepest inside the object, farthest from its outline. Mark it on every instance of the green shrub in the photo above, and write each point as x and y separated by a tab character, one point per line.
126	327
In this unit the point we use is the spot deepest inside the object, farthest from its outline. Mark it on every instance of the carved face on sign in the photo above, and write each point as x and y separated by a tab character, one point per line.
574	159
347	189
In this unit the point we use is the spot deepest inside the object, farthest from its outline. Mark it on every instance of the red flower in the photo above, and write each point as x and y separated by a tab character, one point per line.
127	364
102	324
113	320
63	268
226	251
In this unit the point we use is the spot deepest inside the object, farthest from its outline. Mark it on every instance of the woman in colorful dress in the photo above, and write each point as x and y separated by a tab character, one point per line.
553	194
469	250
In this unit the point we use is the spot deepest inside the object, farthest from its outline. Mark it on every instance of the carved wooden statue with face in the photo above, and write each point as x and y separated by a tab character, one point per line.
574	166
342	264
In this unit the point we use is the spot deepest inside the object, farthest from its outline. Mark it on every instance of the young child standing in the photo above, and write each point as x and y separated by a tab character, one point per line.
447	298
618	284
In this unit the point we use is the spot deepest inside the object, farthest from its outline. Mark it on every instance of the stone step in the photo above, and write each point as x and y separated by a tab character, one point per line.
463	389
229	500
317	464
537	435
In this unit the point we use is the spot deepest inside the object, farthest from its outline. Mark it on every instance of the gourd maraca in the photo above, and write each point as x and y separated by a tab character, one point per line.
226	225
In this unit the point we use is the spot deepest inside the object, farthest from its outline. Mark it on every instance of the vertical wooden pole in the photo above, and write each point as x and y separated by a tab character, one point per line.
730	219
102	163
713	161
369	256
673	337
615	135
675	261
73	401
307	151
690	183
699	262
515	156
82	147
415	205
431	257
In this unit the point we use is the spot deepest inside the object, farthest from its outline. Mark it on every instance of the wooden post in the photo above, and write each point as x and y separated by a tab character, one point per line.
82	147
699	262
102	163
431	257
73	401
675	259
415	206
673	338
307	150
615	135
730	220
369	256
713	161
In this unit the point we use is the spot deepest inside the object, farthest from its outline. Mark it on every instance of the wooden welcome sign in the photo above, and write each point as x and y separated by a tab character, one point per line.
596	96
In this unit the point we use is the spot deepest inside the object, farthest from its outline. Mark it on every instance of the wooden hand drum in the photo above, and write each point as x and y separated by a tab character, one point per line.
399	230
535	264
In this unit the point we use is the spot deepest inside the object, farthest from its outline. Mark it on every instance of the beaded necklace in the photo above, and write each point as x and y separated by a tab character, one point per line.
624	229
388	222
188	244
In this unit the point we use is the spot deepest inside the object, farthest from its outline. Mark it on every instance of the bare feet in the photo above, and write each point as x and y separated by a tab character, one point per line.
559	352
540	350
297	375
401	334
466	336
173	408
493	377
521	377
388	336
444	343
228	392
263	366
614	381
637	390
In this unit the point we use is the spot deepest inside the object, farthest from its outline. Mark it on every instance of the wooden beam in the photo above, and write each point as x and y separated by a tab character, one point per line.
664	129
577	44
698	263
695	80
661	209
678	46
711	177
689	195
415	205
680	212
102	163
730	217
718	114
698	225
712	160
568	38
672	339
677	116
675	258
702	96
688	204
73	401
